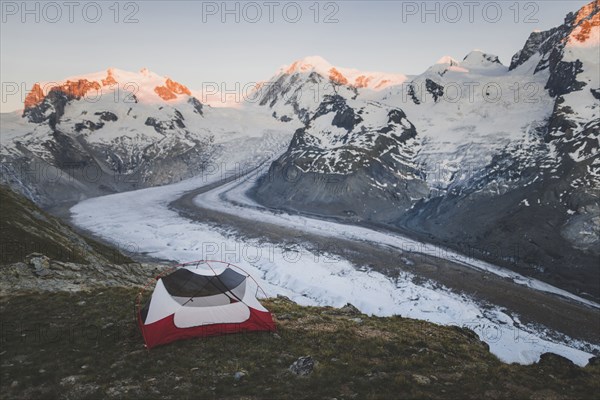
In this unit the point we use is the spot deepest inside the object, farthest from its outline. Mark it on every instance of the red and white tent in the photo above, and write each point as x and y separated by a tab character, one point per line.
203	298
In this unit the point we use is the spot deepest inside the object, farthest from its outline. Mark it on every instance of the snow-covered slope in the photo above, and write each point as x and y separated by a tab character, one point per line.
350	143
402	141
470	153
348	146
534	201
460	113
297	90
115	130
503	160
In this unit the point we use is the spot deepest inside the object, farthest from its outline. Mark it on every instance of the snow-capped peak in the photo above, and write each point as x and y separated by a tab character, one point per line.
443	65
308	64
587	11
475	60
447	60
586	32
343	76
145	85
478	58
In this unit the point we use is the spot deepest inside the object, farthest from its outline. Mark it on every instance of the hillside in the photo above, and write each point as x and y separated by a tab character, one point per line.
509	176
25	229
41	253
356	357
68	330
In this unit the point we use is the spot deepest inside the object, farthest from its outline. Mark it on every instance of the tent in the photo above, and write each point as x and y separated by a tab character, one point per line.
199	299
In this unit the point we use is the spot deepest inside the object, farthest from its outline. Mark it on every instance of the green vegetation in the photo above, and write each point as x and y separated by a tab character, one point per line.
25	229
86	345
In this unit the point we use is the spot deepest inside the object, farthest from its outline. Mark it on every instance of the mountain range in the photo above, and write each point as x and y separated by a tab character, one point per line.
501	162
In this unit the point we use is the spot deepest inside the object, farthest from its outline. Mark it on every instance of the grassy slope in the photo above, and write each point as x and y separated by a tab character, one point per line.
86	345
25	228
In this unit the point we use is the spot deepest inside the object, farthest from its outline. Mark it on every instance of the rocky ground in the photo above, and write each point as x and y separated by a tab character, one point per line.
42	274
40	253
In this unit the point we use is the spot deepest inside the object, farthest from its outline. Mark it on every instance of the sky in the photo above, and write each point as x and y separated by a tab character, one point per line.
197	42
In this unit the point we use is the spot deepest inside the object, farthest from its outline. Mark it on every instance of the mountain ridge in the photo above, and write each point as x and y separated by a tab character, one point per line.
509	164
461	142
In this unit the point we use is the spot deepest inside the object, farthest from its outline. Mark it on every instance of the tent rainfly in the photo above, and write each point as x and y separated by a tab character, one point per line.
199	299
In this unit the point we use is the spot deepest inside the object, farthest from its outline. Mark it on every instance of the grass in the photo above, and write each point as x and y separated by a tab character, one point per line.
25	229
86	345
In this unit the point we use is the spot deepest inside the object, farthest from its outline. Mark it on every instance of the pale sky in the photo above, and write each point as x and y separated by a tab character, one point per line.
190	42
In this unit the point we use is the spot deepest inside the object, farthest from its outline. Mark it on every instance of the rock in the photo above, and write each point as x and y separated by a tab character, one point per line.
594	361
25	277
349	309
239	375
70	380
177	87
283	317
554	360
303	366
285	298
40	263
107	116
14	384
377	375
357	320
196	104
421	380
